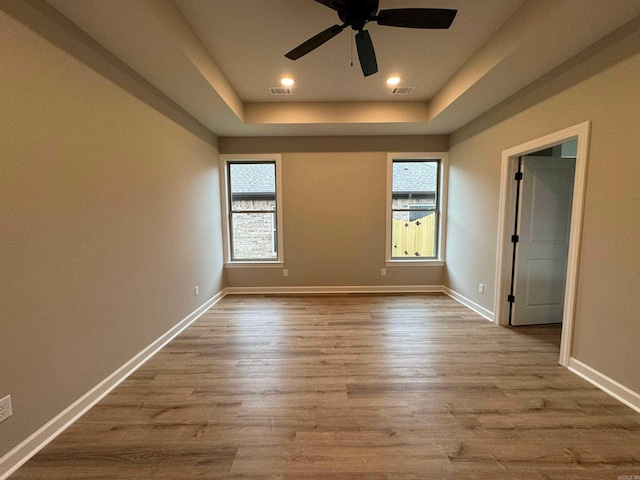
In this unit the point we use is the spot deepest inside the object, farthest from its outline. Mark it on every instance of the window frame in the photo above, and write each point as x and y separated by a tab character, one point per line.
229	262
440	208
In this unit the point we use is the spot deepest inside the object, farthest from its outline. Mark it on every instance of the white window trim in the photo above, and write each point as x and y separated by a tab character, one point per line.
439	261
224	184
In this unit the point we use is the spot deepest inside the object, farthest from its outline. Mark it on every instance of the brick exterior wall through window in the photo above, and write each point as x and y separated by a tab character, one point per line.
254	234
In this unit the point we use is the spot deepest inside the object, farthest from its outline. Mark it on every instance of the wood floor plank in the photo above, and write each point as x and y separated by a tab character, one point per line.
394	387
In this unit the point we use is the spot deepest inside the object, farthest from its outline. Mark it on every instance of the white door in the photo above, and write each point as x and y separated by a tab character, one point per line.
545	218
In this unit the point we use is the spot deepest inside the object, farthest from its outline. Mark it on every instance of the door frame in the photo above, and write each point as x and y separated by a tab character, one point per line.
507	212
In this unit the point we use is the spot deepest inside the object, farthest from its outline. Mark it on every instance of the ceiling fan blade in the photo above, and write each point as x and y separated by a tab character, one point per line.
417	17
372	6
315	42
366	53
337	5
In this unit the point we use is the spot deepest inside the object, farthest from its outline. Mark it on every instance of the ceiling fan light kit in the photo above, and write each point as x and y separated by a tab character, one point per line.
357	13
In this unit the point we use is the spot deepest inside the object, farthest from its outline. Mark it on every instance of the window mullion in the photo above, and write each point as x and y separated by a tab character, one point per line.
253	211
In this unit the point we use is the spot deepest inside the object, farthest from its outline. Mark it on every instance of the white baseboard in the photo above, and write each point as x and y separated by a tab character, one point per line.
45	434
479	309
606	384
332	290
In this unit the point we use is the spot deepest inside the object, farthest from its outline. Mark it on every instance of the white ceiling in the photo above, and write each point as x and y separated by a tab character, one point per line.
217	59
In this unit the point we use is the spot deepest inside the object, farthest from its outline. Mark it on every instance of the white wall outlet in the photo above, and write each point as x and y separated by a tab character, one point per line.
285	272
481	287
5	408
197	290
383	272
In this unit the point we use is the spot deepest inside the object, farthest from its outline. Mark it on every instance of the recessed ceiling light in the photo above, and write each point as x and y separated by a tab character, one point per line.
394	80
287	81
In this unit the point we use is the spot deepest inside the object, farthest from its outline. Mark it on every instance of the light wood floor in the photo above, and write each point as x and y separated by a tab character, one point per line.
350	387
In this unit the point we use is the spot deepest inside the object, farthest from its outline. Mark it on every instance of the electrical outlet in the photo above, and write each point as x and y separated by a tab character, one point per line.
197	290
5	408
285	272
481	287
383	272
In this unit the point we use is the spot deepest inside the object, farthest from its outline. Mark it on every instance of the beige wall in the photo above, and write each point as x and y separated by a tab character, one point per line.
109	215
334	212
601	86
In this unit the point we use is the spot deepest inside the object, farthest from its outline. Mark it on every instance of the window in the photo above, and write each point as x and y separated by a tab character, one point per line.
414	213
253	199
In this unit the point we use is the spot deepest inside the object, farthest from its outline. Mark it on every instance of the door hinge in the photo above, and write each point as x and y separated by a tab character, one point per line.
518	176
511	298
515	238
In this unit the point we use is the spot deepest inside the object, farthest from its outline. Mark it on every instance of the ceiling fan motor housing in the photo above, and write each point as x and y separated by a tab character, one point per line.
358	13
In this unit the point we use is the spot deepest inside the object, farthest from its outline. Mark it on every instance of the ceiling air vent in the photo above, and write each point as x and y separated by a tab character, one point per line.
280	91
403	90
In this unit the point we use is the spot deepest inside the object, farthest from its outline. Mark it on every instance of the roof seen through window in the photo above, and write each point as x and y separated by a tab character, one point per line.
253	177
414	176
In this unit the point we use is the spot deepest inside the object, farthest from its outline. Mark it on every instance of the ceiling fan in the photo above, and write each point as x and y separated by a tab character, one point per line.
357	13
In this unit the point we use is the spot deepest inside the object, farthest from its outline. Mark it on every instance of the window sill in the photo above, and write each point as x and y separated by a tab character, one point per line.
415	263
254	265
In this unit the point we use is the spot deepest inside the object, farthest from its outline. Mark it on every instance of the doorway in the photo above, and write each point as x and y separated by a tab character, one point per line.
541	235
559	289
